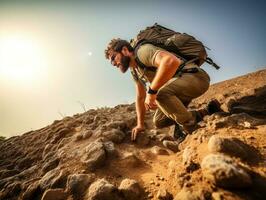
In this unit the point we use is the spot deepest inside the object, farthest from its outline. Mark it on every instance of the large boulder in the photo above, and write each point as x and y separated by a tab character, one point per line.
130	189
223	171
102	190
54	179
54	194
230	146
114	135
53	163
78	183
94	155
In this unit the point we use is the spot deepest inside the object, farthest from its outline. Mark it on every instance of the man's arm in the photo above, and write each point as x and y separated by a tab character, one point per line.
140	108
167	65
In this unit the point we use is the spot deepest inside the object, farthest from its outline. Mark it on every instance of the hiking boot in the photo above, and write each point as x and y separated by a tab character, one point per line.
172	145
179	132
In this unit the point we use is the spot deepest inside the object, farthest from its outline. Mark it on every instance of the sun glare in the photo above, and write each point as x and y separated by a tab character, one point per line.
20	59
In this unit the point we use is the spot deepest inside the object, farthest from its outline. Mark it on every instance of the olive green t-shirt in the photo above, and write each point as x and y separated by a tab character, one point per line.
146	54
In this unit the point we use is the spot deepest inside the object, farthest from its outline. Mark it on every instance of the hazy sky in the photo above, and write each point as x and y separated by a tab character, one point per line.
52	52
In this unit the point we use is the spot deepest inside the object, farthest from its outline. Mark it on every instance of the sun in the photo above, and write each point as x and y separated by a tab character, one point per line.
20	59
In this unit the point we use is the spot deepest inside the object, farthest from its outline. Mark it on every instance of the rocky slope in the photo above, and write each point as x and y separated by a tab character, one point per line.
90	155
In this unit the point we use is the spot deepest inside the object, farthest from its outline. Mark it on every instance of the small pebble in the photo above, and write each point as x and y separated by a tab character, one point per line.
251	138
150	195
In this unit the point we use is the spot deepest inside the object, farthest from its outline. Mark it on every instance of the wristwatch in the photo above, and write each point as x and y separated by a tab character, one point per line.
151	91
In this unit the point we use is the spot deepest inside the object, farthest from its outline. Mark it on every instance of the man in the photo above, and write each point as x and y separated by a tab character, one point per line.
168	93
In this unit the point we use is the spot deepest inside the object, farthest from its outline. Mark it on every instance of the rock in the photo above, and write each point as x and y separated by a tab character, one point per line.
163	194
102	190
114	135
238	121
49	156
172	145
60	134
53	179
228	104
25	163
130	160
95	155
78	137
7	173
223	171
226	195
130	189
163	137
54	194
63	142
186	194
110	149
159	151
87	134
78	183
183	179
11	190
51	165
188	155
143	139
117	125
88	120
32	191
230	146
217	196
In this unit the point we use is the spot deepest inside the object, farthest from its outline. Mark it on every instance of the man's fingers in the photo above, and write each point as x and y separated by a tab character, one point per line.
147	107
132	134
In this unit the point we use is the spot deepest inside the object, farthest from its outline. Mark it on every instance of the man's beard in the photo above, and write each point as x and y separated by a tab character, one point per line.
125	60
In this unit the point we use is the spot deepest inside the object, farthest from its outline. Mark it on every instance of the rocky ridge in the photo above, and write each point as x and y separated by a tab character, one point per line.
90	155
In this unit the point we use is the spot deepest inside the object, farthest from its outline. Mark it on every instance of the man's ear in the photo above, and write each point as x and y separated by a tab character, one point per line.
124	51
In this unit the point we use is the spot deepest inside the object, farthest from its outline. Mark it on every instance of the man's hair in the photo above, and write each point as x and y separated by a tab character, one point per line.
116	45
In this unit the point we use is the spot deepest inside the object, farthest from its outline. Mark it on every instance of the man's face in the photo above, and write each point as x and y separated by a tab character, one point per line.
120	61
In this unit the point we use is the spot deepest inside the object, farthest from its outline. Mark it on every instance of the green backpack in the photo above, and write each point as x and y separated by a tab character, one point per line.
186	46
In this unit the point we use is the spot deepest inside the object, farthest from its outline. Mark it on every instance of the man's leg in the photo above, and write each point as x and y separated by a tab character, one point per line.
179	90
160	120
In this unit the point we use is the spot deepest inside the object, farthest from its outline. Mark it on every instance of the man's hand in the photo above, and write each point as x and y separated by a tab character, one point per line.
150	103
135	131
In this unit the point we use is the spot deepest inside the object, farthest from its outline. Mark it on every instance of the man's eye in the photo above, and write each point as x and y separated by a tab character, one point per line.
112	58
